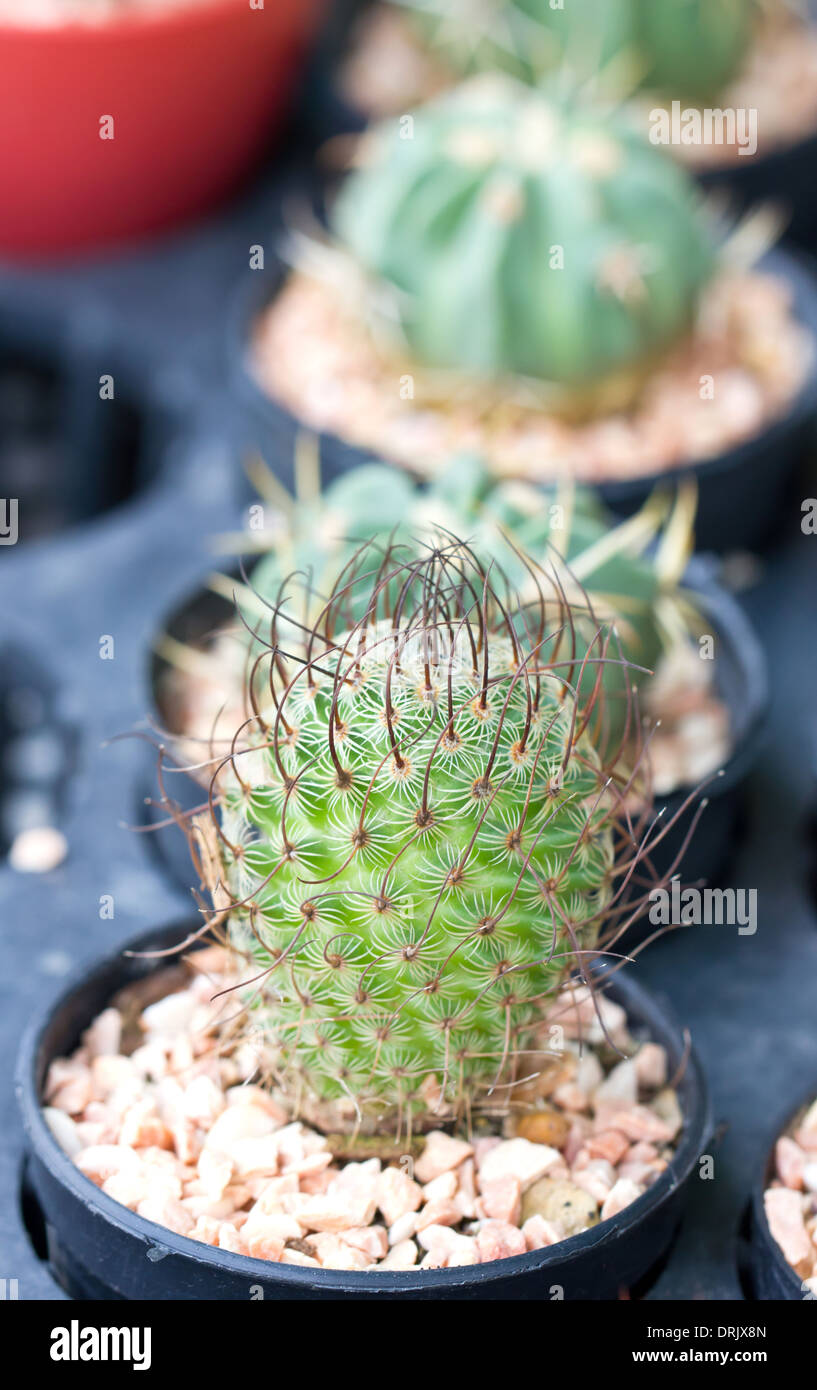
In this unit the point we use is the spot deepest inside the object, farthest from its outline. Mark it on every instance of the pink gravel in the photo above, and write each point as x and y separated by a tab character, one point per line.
178	1131
790	1201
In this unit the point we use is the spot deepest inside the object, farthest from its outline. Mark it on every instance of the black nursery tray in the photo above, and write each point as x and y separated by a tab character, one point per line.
81	607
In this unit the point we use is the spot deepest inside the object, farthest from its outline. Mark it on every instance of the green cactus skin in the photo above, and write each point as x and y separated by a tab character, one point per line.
683	48
693	48
419	838
525	238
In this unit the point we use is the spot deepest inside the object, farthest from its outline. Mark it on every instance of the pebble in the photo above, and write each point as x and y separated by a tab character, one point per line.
547	1127
620	1196
566	1205
517	1158
441	1153
38	850
403	1255
784	1213
397	1194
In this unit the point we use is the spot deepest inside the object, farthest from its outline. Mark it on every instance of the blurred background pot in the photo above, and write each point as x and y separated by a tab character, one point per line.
194	93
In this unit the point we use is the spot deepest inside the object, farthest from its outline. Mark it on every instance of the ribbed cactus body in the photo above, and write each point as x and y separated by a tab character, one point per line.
417	844
692	48
527	238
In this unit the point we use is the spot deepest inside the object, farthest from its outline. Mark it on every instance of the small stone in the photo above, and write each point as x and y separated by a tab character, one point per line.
441	1188
229	1239
637	1122
784	1213
810	1177
335	1253
64	1130
324	1213
404	1227
620	1196
206	1230
547	1127
651	1066
568	1207
447	1249
597	1178
256	1095
397	1194
403	1255
441	1213
251	1157
610	1145
169	1016
501	1200
620	1084
372	1240
237	1123
539	1233
789	1162
203	1101
497	1240
101	1161
38	850
297	1257
215	1171
104	1036
167	1211
517	1158
441	1153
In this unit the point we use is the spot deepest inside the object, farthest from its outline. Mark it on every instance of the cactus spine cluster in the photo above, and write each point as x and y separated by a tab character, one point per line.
527	238
683	48
416	833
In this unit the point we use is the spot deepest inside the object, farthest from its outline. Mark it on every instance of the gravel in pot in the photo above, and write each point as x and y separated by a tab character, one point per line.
784	1210
98	1248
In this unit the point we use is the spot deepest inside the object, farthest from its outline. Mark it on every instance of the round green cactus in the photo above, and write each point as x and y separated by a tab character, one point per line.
527	238
416	834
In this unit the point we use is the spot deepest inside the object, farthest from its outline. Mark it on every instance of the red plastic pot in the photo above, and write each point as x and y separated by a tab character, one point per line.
195	93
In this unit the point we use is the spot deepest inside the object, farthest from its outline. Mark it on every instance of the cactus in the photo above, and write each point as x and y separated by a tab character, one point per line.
685	48
608	566
693	48
416	834
521	237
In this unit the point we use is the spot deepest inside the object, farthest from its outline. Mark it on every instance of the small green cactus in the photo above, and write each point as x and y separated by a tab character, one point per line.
683	48
614	570
523	237
416	833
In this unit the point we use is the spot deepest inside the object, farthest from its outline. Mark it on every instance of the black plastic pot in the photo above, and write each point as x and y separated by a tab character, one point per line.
744	494
99	1249
771	1276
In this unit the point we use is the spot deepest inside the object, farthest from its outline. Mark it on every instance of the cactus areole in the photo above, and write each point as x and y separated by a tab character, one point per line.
416	836
526	237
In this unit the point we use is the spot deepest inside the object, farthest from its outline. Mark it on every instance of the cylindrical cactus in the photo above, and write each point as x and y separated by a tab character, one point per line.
523	237
416	834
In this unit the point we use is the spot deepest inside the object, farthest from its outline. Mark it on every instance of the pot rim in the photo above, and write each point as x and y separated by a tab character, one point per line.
760	1225
795	269
42	1145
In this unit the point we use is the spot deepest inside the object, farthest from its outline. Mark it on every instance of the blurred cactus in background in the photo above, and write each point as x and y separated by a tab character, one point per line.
520	236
